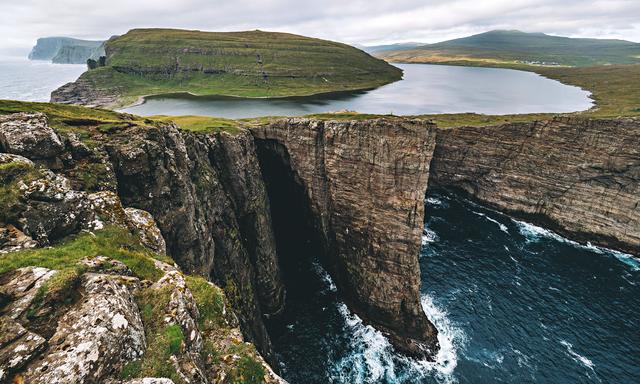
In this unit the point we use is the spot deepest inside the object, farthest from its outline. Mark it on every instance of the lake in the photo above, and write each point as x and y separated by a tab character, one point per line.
424	89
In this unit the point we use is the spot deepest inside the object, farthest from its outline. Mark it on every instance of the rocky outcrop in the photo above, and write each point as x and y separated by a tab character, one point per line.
84	92
577	176
364	183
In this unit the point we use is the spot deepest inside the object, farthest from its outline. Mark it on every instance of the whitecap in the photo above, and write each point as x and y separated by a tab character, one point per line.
428	236
436	202
576	356
534	233
502	227
330	285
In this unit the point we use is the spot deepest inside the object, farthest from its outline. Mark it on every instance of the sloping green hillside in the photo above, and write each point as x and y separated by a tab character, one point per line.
254	63
515	47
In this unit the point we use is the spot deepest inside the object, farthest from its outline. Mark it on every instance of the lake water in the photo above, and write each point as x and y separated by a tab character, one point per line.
424	89
514	303
27	80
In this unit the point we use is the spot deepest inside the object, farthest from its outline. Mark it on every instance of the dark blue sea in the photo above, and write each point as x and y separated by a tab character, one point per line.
513	302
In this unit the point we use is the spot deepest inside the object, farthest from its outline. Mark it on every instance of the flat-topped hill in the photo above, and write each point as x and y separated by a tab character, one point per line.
252	63
516	47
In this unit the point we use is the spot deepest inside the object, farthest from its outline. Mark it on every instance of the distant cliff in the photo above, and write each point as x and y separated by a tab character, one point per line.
66	50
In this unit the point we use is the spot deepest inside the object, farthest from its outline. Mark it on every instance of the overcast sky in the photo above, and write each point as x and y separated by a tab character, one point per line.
352	21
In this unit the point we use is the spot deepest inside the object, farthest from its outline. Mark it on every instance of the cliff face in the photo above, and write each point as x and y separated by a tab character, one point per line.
207	196
576	176
66	50
78	54
364	185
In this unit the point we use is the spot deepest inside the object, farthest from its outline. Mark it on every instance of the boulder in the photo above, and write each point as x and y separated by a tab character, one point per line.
28	134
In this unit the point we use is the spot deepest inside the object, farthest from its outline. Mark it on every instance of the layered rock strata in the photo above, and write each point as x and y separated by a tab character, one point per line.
577	176
365	184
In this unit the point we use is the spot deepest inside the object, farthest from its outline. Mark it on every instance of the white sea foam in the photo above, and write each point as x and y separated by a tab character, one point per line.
373	359
534	233
502	227
326	278
428	236
576	356
435	201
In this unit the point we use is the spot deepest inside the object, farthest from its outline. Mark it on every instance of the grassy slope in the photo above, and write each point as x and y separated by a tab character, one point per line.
515	47
85	121
253	63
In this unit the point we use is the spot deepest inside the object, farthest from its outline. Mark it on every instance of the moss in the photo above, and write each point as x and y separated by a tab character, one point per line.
210	302
94	177
131	370
116	243
162	340
11	175
58	289
248	370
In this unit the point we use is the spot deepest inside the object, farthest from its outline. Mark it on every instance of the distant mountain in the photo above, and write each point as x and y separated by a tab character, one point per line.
389	47
66	50
516	47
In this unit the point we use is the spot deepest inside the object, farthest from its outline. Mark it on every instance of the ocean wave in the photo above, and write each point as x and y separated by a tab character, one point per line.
576	356
502	227
429	236
373	359
437	202
534	233
330	285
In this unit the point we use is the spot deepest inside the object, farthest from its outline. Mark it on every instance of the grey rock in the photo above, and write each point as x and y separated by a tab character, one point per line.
99	335
28	134
142	223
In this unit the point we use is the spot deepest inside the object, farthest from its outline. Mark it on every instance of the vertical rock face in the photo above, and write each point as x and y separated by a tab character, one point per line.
577	176
207	197
365	184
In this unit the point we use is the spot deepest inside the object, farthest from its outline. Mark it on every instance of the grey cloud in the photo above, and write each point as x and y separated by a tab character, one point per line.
358	21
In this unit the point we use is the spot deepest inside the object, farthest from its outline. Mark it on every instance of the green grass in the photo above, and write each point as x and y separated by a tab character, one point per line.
249	64
202	124
113	242
162	340
12	174
210	301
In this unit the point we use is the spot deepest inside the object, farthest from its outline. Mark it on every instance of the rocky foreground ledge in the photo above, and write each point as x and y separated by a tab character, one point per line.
87	292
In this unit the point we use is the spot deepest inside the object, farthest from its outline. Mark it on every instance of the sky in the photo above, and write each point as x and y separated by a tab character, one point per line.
364	22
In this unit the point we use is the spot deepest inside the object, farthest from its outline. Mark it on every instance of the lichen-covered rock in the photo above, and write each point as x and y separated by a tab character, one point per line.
13	239
17	346
28	134
96	337
142	223
21	287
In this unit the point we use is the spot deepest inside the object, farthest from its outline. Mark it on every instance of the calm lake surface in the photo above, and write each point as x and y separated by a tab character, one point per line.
27	80
513	303
424	89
